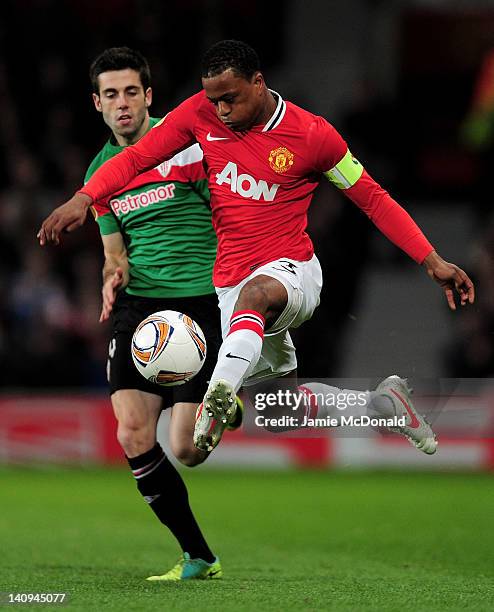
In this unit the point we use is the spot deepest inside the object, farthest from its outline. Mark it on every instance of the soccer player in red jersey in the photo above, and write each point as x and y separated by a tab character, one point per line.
264	158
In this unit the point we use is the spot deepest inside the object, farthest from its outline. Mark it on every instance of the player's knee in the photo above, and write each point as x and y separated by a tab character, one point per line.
134	438
253	296
189	456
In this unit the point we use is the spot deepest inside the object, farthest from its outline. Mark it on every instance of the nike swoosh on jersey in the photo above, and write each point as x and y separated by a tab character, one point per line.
230	356
212	138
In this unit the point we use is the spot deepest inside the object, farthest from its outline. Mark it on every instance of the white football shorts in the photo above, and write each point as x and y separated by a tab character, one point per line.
302	281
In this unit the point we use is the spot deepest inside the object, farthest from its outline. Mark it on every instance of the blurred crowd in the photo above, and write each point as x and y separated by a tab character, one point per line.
472	351
49	132
49	311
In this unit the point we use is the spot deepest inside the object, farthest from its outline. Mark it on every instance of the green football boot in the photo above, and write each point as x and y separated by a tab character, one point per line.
191	569
238	419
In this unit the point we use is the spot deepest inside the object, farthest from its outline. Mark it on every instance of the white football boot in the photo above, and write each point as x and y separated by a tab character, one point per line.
417	430
214	415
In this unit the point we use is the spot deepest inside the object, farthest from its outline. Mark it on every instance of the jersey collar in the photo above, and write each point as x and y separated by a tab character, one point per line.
278	114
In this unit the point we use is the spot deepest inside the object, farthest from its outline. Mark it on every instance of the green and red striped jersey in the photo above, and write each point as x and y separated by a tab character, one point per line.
165	220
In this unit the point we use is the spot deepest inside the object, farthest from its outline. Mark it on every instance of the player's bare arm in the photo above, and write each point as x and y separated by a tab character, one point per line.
67	217
451	278
115	271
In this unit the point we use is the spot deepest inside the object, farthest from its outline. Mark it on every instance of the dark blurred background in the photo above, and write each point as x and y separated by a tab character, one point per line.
410	85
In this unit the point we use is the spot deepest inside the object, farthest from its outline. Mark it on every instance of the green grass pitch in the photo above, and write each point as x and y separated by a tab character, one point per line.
287	540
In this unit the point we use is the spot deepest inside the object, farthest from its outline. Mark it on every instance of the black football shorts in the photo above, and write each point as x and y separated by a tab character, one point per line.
129	311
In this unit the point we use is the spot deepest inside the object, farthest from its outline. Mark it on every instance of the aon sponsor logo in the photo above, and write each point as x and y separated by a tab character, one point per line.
246	185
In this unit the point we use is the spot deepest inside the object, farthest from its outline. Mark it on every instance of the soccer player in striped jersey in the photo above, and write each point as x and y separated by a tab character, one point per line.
264	158
159	248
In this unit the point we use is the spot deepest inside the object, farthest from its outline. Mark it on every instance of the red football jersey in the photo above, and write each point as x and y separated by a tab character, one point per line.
261	182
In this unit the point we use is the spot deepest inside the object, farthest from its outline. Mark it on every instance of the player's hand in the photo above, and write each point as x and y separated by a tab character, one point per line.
65	218
451	278
109	293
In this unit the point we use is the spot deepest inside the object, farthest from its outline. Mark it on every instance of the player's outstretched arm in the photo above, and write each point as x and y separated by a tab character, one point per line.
389	217
451	278
168	137
66	217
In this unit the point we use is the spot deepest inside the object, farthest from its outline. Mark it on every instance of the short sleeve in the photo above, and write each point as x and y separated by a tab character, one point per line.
105	219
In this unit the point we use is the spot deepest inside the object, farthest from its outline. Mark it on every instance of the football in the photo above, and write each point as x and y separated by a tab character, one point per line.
168	348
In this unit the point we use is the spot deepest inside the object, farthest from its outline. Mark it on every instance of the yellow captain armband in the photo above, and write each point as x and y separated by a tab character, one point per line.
346	172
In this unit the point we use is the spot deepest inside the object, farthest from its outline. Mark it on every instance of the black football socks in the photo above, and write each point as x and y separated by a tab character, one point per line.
164	490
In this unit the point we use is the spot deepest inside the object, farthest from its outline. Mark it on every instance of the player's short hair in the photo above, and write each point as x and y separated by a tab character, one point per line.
120	58
230	54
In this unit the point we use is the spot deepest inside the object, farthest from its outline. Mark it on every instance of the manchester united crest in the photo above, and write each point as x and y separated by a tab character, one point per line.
280	159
